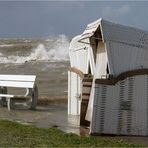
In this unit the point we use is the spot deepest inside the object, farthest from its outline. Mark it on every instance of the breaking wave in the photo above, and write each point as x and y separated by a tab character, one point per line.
55	51
6	45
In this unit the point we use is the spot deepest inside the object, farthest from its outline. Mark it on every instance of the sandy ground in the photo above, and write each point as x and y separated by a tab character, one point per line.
55	115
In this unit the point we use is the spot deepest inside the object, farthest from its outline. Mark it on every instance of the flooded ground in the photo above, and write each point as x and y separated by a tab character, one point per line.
53	115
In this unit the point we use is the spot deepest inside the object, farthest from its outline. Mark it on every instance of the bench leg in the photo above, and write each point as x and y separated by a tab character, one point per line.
8	103
3	100
34	98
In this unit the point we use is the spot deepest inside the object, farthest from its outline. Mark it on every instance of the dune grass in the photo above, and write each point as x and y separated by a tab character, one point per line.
13	134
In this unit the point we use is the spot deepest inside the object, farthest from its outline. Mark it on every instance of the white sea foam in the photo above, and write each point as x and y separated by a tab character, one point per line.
27	41
6	45
60	49
57	52
39	53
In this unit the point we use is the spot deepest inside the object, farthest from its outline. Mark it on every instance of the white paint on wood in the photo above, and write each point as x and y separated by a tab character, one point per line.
74	94
7	96
101	61
17	84
69	92
78	53
17	77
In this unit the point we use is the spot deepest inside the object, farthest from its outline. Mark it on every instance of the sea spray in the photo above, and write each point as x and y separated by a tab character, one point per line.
39	53
6	45
54	50
60	48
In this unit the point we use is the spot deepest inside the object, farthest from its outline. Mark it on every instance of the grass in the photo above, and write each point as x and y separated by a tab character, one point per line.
13	134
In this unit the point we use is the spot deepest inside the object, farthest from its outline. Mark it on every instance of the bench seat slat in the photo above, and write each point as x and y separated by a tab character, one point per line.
18	77
17	84
7	96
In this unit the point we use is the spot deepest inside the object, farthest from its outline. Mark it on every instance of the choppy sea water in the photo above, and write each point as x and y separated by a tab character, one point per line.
48	59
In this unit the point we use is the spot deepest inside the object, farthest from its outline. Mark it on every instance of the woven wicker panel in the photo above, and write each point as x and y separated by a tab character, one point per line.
121	109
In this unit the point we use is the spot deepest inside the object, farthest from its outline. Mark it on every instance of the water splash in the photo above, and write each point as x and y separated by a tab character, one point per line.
58	51
6	45
40	53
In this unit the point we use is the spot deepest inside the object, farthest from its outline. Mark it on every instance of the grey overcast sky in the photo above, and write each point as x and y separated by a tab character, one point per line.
41	19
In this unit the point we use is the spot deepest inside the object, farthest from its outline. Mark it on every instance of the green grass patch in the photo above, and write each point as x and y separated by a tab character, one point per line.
13	134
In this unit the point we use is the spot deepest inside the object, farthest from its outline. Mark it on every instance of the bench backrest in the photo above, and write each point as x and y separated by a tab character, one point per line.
21	81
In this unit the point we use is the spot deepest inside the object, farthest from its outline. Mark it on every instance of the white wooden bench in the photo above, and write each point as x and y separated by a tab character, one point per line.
19	81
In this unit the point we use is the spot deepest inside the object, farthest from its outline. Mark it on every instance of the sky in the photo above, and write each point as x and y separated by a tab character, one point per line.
41	19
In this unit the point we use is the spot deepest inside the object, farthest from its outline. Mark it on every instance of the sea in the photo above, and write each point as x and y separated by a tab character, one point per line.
48	59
